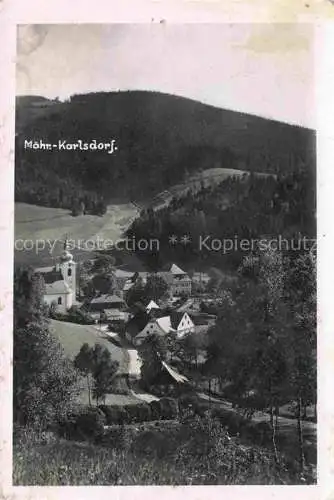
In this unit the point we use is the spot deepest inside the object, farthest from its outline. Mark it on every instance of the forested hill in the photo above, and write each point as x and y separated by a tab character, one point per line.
245	208
160	139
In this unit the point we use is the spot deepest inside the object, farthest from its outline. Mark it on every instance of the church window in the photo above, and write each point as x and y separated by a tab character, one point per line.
69	272
59	301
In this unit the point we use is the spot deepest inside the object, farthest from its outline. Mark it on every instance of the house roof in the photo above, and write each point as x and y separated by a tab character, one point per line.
164	323
181	379
152	305
57	287
113	312
175	318
43	270
107	299
127	285
137	323
50	275
174	269
120	273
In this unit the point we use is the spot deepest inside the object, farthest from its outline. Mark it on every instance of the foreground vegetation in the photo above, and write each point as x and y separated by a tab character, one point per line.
169	453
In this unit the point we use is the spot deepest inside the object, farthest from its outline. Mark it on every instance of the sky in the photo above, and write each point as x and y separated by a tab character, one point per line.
262	69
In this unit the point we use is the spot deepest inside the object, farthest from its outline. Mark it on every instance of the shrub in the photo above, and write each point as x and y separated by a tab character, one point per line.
84	423
67	424
139	413
164	408
191	405
144	412
188	400
90	422
155	410
229	419
115	414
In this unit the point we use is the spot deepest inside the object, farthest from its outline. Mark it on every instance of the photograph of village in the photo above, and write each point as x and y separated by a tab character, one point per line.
165	256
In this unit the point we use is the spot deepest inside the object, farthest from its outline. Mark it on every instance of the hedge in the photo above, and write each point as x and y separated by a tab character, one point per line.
84	422
115	414
165	408
139	413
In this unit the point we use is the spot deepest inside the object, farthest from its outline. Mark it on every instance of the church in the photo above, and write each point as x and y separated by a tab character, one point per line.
60	282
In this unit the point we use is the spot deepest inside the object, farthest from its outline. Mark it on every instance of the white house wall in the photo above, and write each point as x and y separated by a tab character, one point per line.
66	301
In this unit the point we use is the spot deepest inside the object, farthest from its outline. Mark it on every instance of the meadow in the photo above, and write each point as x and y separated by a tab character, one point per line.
33	222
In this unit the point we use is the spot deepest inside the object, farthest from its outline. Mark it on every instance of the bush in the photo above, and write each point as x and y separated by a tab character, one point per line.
155	410
83	423
169	408
190	404
139	413
115	414
230	419
144	412
90	423
164	408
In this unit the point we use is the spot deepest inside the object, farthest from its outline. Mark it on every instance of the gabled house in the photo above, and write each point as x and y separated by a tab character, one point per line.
178	280
143	325
181	323
111	306
121	281
149	306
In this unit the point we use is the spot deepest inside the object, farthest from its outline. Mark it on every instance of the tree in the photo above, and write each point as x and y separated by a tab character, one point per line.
45	381
301	290
135	294
96	362
251	338
103	370
152	351
104	264
102	283
83	362
155	288
85	276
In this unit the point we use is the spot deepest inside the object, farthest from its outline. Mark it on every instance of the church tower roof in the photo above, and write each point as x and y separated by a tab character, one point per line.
66	256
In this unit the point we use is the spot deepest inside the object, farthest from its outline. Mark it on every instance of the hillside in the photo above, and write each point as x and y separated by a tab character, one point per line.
161	139
217	217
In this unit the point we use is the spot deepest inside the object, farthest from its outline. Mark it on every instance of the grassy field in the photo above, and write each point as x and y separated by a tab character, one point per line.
72	336
32	221
54	224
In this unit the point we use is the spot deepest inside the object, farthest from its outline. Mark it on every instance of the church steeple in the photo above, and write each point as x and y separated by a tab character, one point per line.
66	256
67	267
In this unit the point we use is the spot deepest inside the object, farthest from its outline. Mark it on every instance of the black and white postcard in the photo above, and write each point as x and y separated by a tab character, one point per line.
165	255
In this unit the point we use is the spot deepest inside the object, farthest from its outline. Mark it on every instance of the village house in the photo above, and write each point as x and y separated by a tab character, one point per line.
143	325
178	281
122	281
149	306
109	306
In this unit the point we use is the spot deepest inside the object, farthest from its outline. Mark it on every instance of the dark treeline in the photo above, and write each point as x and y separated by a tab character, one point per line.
37	184
160	139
